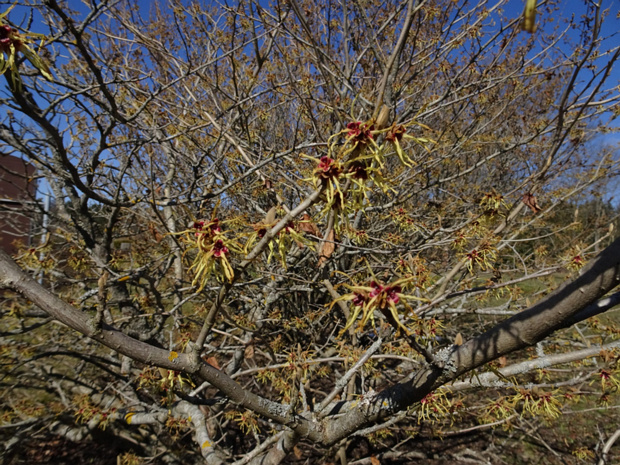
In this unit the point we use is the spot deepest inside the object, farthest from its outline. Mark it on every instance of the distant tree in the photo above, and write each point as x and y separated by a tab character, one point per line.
312	230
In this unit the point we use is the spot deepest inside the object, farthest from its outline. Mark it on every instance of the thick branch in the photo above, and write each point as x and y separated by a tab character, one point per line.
522	330
11	276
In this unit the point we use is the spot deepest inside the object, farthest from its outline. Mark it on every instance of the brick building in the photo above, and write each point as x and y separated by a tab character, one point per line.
17	194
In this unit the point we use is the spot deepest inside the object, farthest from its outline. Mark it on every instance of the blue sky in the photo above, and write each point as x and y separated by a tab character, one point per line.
513	9
567	9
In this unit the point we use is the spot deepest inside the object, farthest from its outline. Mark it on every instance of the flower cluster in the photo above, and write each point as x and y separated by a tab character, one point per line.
171	380
492	203
376	296
246	420
538	402
285	239
359	160
576	262
88	412
292	233
427	329
357	236
402	219
608	381
397	133
9	39
176	426
435	406
327	170
585	454
534	402
416	269
359	133
482	257
214	249
12	42
327	175
499	409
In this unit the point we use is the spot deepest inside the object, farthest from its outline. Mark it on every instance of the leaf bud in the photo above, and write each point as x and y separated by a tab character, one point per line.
383	117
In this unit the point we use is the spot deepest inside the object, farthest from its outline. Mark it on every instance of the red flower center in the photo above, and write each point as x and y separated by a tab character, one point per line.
219	248
359	133
396	134
376	289
359	170
328	168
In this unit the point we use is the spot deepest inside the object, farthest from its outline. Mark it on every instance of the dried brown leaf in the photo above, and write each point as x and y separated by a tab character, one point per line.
213	362
328	248
306	225
529	199
156	234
